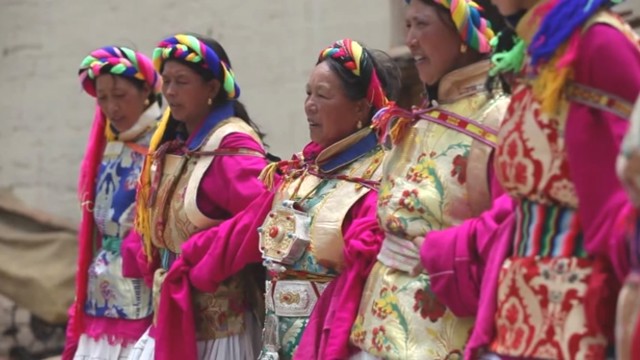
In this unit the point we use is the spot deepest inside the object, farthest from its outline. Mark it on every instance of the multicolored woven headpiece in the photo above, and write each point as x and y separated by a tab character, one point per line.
188	48
474	30
353	57
119	61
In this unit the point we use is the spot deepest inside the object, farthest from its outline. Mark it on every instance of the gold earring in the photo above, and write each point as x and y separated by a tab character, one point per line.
146	102
463	48
209	102
359	125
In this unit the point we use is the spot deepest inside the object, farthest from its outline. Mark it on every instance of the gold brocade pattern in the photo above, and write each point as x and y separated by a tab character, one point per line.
218	314
436	177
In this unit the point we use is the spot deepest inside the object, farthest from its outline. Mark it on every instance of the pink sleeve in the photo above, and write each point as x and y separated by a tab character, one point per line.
455	257
131	246
593	139
231	181
215	254
135	263
328	330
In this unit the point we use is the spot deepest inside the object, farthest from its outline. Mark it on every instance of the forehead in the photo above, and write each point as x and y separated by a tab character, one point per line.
174	68
417	8
322	73
108	82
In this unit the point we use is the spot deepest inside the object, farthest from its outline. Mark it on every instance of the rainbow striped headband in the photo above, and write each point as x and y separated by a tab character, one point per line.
119	61
474	30
353	57
190	49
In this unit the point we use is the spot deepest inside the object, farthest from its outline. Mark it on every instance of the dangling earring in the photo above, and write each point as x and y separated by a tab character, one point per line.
463	48
146	102
359	125
209	102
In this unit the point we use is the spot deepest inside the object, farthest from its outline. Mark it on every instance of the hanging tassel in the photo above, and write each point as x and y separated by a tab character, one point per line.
392	122
143	211
509	61
268	174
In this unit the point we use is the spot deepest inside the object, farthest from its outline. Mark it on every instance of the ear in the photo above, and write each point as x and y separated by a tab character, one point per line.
362	110
146	90
214	88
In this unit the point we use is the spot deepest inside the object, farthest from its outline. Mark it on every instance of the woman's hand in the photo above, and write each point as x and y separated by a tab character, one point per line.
400	254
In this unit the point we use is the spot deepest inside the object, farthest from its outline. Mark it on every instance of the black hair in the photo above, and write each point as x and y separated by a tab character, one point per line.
239	109
356	86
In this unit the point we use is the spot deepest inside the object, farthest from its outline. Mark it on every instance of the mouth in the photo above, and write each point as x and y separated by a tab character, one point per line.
312	124
419	59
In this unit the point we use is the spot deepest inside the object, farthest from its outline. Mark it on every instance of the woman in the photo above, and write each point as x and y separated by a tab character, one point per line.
550	283
437	175
317	230
111	312
203	168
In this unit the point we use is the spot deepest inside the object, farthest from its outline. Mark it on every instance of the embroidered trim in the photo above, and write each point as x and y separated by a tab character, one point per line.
598	99
465	125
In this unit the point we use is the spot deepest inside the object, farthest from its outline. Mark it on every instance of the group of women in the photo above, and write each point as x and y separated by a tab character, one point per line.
495	221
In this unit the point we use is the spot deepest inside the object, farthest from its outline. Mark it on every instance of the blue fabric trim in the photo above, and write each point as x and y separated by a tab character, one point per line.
353	153
220	113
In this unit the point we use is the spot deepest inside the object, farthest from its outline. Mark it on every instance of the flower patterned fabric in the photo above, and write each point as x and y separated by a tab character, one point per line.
109	293
426	186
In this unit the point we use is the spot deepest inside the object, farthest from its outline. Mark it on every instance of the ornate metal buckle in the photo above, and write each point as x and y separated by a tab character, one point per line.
284	236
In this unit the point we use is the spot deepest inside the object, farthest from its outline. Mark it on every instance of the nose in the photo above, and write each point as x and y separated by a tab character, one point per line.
310	107
112	109
168	90
410	39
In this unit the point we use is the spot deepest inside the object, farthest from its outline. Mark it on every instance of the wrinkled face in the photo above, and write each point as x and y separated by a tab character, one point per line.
332	116
121	100
187	92
509	7
434	43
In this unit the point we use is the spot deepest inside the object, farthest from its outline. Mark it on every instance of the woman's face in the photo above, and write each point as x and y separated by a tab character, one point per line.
187	93
434	43
332	116
121	100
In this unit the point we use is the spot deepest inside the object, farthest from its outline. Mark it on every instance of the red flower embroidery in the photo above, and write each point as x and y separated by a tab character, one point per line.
459	168
512	149
379	338
428	305
512	314
410	201
520	173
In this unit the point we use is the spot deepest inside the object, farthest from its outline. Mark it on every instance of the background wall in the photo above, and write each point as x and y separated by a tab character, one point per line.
273	45
45	117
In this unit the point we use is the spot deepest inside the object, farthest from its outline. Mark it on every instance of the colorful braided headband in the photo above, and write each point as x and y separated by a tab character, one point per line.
353	57
119	61
189	48
474	30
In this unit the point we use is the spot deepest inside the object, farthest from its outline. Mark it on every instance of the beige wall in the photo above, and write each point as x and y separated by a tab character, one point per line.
272	43
45	117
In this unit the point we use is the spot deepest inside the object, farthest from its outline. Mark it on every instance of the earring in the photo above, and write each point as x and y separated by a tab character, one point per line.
146	102
209	102
463	48
359	125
